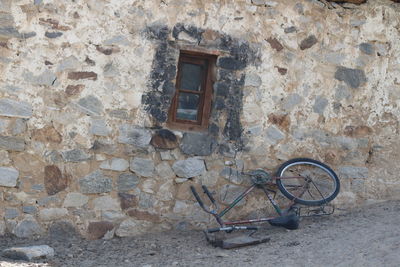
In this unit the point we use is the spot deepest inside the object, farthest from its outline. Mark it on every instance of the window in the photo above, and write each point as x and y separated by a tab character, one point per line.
191	105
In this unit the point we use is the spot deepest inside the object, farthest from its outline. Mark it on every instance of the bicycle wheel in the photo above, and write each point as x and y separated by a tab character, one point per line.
307	181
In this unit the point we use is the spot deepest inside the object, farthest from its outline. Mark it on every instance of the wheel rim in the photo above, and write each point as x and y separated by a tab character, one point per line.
319	181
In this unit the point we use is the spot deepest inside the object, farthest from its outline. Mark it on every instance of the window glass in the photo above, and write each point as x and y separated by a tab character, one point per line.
188	105
191	77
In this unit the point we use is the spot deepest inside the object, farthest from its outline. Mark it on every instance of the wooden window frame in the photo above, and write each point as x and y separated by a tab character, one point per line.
204	106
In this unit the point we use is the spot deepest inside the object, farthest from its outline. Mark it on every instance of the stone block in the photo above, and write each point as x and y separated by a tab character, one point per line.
166	155
95	183
29	210
99	127
308	42
291	101
29	253
290	29
11	213
106	203
110	70
275	44
165	171
132	227
90	105
97	230
320	104
367	48
122	114
115	164
357	22
82	75
12	108
149	186
12	143
53	35
264	3
274	135
8	32
229	193
146	201
198	144
209	178
335	58
75	200
127	182
352	77
189	168
133	135
49	200
47	134
75	155
342	92
46	78
127	200
62	231
18	127
117	40
37	187
105	147
69	63
231	63
27	228
180	207
221	88
8	177
166	191
252	79
164	139
74	90
144	215
113	216
52	214
54	180
142	167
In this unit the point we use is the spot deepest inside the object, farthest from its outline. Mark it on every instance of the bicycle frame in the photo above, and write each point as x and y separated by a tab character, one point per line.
218	215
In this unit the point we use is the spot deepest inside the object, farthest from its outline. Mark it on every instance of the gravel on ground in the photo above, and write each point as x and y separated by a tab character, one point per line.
367	236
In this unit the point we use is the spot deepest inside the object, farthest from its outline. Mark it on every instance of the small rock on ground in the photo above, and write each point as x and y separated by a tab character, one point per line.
29	253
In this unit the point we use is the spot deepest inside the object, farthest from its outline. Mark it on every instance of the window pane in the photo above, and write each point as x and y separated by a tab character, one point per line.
187	107
191	76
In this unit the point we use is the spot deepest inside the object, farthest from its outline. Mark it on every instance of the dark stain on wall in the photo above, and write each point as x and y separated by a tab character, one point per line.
227	100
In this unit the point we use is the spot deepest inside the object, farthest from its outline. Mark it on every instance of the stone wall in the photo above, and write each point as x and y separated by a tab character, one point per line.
85	88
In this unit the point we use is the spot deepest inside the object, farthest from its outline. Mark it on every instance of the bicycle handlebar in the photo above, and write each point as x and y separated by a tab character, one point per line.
197	197
205	189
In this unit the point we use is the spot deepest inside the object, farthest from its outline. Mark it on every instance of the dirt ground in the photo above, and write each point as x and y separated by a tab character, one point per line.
368	236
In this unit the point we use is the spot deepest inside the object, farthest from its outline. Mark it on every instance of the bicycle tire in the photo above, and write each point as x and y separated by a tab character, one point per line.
304	167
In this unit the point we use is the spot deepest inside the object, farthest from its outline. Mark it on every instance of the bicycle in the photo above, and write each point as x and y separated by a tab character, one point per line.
303	181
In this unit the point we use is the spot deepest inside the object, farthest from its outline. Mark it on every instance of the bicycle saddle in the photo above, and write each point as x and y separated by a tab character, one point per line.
290	221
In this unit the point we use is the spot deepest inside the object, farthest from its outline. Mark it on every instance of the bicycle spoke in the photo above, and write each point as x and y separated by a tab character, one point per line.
310	194
317	186
317	189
